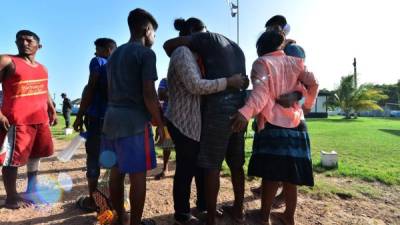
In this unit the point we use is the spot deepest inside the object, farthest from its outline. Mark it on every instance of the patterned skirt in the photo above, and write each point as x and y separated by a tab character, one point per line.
282	154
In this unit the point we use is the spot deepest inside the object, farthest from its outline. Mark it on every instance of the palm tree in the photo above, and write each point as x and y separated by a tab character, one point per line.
353	100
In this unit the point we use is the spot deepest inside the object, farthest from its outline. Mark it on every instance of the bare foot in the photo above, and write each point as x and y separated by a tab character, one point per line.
160	175
278	202
125	221
17	202
238	218
284	219
257	217
256	191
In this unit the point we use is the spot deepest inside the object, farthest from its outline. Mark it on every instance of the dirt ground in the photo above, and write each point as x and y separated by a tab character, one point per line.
312	209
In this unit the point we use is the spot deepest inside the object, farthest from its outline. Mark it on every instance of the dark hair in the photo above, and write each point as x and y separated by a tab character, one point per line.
270	40
139	18
63	94
27	33
186	27
105	43
276	20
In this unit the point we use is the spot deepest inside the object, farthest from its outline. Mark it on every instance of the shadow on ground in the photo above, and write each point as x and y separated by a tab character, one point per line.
389	131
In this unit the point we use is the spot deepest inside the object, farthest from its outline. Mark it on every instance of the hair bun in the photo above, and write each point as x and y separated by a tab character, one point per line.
180	24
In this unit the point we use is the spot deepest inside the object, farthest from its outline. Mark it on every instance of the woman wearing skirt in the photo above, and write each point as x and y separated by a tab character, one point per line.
281	147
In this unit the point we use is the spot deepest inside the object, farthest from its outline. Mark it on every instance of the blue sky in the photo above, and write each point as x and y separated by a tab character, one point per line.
332	32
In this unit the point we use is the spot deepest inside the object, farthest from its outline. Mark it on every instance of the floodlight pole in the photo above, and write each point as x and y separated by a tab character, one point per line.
235	13
237	22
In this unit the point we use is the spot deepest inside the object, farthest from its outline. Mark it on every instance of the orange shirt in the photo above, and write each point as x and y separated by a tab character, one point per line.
272	75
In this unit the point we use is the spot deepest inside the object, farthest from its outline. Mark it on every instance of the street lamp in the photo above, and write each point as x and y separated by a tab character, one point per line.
235	13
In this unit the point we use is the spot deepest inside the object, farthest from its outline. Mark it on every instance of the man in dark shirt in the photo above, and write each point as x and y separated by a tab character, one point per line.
132	103
222	58
66	109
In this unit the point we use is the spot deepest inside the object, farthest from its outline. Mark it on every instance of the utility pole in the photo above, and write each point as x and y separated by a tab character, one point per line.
355	72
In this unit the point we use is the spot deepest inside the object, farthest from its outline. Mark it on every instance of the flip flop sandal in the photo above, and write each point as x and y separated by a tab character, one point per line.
102	202
160	176
228	210
191	221
81	204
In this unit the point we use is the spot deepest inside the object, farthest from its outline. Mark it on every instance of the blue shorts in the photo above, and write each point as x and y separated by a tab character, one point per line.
134	154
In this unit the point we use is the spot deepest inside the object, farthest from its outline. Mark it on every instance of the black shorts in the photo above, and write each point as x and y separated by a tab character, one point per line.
218	142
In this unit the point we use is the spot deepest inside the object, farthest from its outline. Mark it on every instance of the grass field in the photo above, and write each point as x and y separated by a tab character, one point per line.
58	130
368	148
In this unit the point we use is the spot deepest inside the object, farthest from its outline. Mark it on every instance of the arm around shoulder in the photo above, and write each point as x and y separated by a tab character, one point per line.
172	44
188	73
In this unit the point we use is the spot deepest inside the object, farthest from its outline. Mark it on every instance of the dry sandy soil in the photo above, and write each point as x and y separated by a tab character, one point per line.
312	208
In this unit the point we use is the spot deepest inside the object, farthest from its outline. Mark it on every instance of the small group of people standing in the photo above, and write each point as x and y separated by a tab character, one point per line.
206	117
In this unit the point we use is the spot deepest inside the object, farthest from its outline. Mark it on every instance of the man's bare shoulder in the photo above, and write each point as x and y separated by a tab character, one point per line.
5	60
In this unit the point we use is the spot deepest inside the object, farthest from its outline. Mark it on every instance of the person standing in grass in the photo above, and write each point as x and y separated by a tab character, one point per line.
281	147
167	145
66	109
132	104
93	106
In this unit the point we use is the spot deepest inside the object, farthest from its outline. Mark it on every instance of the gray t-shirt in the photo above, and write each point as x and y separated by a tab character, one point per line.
127	68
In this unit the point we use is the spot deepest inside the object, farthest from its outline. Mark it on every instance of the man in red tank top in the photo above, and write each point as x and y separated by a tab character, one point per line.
25	116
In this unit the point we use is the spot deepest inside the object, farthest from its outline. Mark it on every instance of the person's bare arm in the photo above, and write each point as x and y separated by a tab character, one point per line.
5	63
163	94
86	100
51	111
172	44
153	106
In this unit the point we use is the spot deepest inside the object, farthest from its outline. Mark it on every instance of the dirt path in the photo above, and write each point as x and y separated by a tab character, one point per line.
312	209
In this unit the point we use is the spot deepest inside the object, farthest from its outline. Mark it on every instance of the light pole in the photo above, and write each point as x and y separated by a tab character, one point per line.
235	13
355	72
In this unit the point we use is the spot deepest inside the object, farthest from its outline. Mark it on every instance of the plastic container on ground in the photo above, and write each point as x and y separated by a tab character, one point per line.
66	154
329	159
68	131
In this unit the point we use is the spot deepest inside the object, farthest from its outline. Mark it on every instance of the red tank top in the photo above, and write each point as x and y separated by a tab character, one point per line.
25	94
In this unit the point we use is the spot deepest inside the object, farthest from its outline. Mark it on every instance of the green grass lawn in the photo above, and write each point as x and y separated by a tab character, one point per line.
58	130
368	148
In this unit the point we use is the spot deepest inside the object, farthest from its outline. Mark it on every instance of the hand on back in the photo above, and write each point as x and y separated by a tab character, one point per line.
236	81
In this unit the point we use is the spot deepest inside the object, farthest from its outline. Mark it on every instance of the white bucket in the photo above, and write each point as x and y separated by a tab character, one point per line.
329	159
68	131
